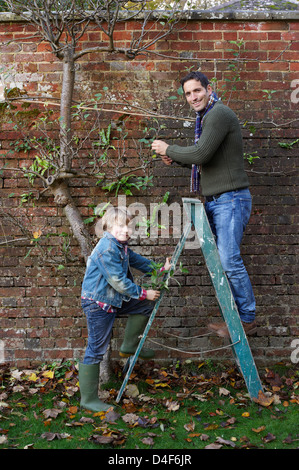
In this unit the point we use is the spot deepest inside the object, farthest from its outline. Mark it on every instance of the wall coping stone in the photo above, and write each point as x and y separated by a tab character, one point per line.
229	15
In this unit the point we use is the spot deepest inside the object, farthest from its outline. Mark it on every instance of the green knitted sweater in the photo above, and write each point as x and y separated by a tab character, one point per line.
219	152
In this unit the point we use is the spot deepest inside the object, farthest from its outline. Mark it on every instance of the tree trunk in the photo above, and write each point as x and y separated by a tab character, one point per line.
63	198
67	91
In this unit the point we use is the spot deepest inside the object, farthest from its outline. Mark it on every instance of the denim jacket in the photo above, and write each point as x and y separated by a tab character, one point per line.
107	277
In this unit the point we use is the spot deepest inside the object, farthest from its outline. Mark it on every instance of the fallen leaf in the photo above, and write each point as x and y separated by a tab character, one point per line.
50	436
3	439
172	405
231	420
263	399
130	418
29	446
16	374
261	428
213	446
18	388
86	420
112	416
144	422
148	441
49	374
193	411
190	426
33	377
150	381
132	391
72	410
97	439
51	413
4	405
211	427
269	438
74	423
288	440
223	391
225	442
162	385
145	398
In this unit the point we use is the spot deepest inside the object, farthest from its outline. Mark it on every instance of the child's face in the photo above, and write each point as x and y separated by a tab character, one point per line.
121	232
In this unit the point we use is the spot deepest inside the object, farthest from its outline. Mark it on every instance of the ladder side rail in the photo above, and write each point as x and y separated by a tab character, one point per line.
174	260
240	345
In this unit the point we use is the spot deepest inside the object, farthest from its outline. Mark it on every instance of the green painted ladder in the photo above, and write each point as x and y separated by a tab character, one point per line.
196	215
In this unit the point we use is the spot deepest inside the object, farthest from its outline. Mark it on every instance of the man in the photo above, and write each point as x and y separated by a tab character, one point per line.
217	164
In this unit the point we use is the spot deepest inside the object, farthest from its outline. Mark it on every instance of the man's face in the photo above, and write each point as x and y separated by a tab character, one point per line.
196	95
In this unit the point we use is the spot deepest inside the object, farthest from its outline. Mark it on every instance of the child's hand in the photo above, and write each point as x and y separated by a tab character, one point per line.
152	294
167	264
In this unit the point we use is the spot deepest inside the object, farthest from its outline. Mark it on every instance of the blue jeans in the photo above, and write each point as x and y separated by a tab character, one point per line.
228	216
100	323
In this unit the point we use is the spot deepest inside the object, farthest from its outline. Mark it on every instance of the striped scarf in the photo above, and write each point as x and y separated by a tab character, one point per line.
195	172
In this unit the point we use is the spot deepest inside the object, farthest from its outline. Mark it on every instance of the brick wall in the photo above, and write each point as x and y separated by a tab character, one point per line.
41	318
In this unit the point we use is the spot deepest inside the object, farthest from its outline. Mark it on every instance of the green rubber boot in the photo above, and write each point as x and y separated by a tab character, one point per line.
134	328
89	384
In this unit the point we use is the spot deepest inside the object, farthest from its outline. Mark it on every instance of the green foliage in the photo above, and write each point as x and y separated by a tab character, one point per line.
127	183
250	157
159	279
289	145
153	221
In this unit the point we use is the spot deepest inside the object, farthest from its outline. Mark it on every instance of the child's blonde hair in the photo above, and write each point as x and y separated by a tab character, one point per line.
116	215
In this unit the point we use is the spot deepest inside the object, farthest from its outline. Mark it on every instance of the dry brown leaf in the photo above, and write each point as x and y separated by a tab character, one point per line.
51	413
172	405
259	429
190	426
269	438
213	446
148	441
112	416
130	418
225	442
263	399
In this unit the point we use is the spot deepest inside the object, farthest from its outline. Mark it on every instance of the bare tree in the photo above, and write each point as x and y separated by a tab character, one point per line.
62	23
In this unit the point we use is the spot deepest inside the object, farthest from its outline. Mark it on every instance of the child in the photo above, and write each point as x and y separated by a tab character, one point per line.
108	290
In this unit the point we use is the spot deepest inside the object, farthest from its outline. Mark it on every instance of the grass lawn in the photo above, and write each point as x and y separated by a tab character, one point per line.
185	406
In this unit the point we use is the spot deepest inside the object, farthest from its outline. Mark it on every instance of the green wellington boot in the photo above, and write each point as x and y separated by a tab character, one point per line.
134	328
89	384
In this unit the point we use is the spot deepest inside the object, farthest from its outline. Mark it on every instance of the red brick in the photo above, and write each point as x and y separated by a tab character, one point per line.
40	305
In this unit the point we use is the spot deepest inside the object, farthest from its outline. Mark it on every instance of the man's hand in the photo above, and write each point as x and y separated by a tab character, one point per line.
159	146
152	294
167	160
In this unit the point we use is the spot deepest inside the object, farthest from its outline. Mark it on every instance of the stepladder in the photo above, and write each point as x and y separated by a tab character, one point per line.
197	218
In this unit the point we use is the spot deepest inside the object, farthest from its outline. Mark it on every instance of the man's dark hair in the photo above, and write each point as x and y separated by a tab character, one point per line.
199	76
